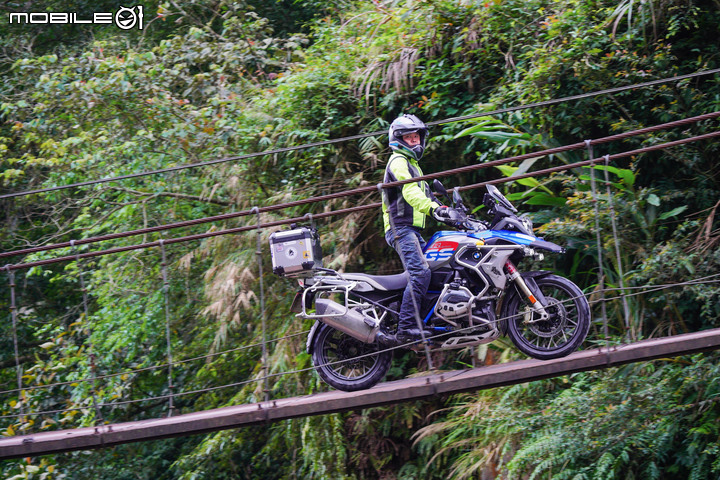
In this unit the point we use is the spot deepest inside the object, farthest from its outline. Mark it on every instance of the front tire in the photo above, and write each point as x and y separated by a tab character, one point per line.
562	333
346	363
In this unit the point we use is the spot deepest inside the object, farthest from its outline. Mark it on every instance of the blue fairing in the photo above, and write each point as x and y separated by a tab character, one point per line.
515	237
507	235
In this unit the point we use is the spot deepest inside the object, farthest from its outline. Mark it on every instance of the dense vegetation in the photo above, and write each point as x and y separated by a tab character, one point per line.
209	79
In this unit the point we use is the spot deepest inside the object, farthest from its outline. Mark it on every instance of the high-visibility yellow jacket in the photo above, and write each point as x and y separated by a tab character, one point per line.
408	204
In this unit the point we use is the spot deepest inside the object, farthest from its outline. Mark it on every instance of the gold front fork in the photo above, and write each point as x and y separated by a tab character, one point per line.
537	307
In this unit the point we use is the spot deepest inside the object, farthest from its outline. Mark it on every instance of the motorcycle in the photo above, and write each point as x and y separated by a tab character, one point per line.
475	296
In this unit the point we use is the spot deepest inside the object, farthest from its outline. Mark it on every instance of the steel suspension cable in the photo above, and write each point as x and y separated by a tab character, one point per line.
586	163
200	236
369	189
550	170
616	243
154	367
263	319
711	279
168	341
566	167
598	241
88	333
365	135
16	350
715	278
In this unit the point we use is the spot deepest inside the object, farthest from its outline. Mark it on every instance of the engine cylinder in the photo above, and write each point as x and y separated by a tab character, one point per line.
454	302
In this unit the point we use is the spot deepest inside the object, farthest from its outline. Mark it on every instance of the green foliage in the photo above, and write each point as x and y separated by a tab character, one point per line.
632	422
212	79
655	250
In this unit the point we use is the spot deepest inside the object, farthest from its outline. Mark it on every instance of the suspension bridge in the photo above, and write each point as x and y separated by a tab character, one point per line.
429	385
409	389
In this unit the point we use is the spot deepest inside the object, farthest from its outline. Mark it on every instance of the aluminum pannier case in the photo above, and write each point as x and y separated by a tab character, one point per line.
296	252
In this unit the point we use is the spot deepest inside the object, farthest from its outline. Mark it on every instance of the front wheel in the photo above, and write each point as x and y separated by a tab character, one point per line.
562	333
346	363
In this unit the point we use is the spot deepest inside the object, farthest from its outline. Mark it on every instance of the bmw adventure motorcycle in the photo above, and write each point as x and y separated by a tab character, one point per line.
476	295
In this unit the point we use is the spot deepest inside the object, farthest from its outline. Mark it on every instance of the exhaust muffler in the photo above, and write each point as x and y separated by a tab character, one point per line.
352	322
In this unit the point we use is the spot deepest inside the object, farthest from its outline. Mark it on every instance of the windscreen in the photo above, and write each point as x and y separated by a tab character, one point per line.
500	198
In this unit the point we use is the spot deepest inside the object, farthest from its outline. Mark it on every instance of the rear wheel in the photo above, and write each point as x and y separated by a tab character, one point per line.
562	333
346	363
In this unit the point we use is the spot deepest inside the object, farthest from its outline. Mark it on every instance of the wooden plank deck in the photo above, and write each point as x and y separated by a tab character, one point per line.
336	401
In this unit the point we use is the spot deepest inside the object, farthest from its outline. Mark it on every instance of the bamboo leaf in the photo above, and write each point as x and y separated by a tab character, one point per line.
672	213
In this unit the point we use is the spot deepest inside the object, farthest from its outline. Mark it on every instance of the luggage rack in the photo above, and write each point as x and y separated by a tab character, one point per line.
319	288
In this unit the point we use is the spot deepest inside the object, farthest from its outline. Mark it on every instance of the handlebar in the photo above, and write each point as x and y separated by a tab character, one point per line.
503	212
462	221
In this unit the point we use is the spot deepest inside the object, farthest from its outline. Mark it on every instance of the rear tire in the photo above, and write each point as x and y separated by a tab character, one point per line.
346	363
559	336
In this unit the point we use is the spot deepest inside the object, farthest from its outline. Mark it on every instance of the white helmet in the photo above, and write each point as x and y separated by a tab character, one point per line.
404	125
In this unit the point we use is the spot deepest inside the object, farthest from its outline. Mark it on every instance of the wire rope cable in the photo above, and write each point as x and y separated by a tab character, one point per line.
704	280
710	279
365	135
155	367
78	256
369	189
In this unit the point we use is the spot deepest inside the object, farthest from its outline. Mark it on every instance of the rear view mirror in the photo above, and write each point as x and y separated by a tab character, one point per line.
456	196
440	188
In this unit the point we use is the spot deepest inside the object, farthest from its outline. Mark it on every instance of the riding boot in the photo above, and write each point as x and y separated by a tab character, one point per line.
408	335
387	339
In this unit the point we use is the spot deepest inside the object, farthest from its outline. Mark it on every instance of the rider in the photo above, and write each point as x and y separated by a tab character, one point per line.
404	210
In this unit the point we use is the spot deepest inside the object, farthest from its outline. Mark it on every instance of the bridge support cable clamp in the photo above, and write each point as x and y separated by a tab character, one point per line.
598	240
416	309
309	216
168	340
258	253
99	420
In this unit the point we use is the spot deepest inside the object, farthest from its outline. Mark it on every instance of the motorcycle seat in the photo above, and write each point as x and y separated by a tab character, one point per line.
381	282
